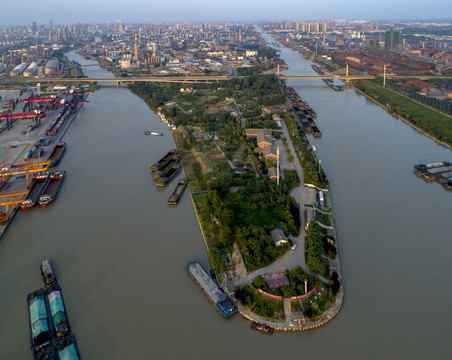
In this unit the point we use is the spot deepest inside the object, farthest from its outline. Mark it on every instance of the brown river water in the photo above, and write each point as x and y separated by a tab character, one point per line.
120	252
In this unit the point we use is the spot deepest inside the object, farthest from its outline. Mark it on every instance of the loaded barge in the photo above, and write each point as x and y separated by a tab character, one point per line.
176	195
441	172
51	190
57	153
50	331
164	170
164	160
169	175
40	334
216	296
303	111
35	192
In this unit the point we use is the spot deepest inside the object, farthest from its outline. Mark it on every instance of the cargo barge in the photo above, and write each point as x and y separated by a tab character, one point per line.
47	274
67	348
35	192
40	334
176	195
441	172
164	160
216	296
52	188
57	153
57	311
168	176
303	112
164	170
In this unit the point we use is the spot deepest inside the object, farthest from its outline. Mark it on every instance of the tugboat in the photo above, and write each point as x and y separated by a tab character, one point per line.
47	273
262	328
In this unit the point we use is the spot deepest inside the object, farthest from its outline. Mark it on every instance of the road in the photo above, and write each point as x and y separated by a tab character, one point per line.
293	258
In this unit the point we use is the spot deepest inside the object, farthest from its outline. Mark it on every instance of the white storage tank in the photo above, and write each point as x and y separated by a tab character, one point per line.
31	70
18	70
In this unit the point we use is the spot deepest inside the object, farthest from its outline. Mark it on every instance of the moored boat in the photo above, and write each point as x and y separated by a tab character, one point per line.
164	160
172	172
164	170
57	153
178	191
52	188
216	296
262	328
156	133
47	273
35	192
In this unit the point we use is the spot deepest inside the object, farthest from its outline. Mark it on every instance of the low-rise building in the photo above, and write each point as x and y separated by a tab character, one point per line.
278	237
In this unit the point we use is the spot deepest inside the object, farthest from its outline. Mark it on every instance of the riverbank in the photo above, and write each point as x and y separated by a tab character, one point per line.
393	110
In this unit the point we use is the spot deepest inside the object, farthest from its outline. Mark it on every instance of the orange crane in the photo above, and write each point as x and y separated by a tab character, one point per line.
27	169
5	216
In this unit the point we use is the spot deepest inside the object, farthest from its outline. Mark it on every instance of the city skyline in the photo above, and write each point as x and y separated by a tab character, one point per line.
140	11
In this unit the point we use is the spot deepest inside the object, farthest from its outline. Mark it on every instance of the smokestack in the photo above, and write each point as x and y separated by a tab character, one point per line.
305	286
136	46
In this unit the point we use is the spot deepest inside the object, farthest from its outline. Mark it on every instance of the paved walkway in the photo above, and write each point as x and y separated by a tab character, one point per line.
292	258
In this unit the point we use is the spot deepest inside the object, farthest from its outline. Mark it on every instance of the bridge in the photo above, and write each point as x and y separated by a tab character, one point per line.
200	79
173	79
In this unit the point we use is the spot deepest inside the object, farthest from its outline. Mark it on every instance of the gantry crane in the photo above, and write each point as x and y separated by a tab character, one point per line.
27	168
7	203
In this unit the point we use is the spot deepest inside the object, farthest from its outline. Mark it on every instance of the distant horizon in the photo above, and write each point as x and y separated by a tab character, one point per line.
427	20
196	11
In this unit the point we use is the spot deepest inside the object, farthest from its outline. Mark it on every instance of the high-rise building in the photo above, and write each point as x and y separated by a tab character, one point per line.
391	39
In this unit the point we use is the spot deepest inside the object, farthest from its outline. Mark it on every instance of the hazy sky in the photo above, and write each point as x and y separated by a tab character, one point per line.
99	11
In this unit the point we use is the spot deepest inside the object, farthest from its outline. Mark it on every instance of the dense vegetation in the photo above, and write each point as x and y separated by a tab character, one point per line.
260	304
430	121
314	248
249	213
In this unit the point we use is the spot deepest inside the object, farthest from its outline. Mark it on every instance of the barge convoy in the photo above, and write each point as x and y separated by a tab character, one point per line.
50	331
216	296
178	191
441	172
303	111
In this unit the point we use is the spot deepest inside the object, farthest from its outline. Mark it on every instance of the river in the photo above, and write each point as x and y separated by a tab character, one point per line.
120	253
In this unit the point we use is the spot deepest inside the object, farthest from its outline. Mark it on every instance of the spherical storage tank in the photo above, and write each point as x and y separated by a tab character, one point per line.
52	67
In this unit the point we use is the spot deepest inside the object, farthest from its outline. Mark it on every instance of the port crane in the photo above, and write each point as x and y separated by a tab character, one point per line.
27	168
7	203
10	199
37	115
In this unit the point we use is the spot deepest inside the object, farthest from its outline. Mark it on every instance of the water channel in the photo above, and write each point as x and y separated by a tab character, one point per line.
120	252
